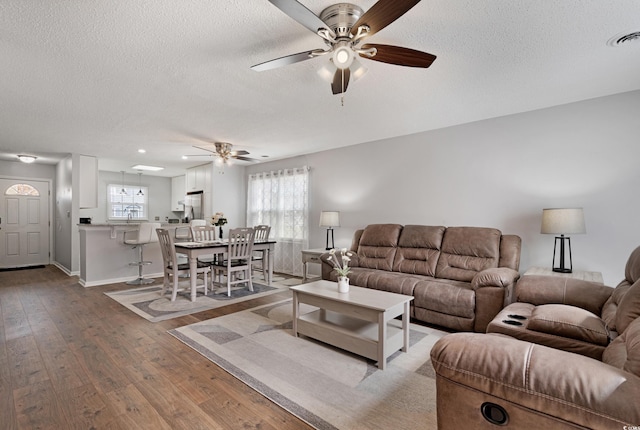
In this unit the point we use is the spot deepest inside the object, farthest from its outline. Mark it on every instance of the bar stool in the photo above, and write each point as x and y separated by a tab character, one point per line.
146	234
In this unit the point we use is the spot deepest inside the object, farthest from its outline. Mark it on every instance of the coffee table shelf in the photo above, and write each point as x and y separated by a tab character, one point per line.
348	333
361	321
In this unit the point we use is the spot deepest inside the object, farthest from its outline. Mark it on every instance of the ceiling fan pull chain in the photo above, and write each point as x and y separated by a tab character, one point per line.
342	95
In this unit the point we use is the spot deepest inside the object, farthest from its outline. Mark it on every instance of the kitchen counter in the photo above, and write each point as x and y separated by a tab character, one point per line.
105	258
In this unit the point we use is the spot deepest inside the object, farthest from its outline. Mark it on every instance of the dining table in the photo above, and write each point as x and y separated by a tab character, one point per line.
194	249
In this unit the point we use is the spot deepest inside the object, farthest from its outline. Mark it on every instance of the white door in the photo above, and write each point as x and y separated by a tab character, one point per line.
24	223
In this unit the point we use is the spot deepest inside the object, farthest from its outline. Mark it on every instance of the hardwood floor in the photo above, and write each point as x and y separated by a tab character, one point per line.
72	358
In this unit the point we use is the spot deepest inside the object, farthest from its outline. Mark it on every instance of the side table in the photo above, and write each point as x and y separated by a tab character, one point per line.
576	274
310	256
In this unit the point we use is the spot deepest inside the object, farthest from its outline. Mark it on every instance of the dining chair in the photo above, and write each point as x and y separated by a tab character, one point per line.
204	233
185	233
172	269
238	258
260	257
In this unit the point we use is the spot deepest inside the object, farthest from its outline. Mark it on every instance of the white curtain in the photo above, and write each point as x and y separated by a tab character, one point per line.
280	199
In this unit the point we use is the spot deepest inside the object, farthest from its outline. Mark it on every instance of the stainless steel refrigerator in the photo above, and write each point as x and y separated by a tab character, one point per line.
193	206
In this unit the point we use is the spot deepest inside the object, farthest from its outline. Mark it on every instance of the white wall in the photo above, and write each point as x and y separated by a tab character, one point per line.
159	196
496	173
229	195
63	215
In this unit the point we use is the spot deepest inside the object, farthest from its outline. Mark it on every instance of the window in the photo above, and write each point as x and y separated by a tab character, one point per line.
129	206
279	199
21	190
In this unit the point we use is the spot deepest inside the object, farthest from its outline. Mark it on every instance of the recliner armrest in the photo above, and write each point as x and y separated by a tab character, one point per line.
495	277
542	290
588	393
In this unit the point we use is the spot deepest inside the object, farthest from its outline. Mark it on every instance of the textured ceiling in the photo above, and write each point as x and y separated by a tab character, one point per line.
106	78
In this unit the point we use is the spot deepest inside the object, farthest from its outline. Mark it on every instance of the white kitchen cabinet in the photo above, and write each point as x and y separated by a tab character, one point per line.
199	178
178	191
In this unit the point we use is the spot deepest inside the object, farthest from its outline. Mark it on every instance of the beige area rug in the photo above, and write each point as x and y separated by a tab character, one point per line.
147	302
327	387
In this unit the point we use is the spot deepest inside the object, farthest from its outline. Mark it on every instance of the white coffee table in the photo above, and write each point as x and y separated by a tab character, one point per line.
361	321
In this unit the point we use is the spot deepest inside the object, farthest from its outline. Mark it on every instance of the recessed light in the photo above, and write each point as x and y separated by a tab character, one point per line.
142	151
143	167
184	157
27	158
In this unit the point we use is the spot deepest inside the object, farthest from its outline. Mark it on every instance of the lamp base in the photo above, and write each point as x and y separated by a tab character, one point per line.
329	236
562	268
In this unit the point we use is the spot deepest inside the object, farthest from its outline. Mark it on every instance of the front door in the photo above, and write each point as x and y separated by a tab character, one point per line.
24	223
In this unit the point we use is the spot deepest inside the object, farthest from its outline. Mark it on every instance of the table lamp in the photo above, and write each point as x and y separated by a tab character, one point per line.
329	219
562	221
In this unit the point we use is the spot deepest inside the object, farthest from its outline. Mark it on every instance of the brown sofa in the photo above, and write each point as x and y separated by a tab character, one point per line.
460	277
577	365
570	314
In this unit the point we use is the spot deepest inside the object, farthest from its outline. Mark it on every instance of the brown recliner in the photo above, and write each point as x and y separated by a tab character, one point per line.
575	362
484	381
571	314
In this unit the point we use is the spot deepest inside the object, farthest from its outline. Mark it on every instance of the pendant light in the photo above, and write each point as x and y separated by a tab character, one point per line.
123	192
140	193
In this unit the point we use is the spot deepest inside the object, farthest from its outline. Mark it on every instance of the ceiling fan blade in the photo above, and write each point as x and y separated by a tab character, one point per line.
383	13
340	81
284	61
399	55
239	157
205	149
239	152
300	13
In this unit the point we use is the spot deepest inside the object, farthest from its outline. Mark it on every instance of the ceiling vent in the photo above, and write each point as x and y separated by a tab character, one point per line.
625	39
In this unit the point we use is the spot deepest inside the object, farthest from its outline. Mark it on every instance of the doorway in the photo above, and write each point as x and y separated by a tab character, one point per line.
24	223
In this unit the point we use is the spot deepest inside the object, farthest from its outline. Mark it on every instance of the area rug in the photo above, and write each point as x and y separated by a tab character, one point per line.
147	302
324	386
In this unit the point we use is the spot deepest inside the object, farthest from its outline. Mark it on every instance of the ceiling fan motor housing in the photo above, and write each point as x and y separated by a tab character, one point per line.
340	18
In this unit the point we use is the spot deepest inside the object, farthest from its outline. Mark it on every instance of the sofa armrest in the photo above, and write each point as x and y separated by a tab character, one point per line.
495	277
588	393
327	268
542	290
494	290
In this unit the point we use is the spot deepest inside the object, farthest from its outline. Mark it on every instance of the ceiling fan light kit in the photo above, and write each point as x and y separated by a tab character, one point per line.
343	26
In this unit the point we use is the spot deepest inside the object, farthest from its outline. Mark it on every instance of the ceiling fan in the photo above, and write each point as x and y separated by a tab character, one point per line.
343	26
224	153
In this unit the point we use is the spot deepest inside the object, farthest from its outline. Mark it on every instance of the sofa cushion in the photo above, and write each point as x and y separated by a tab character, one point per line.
377	247
445	296
624	351
384	280
540	290
467	251
418	249
628	308
569	321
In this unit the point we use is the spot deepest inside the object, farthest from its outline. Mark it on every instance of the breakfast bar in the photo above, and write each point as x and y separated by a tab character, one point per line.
105	258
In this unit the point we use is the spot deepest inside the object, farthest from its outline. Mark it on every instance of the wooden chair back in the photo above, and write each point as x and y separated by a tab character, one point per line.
204	233
262	233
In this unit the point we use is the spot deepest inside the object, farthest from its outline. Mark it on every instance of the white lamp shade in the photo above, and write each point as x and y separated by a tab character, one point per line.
329	219
563	221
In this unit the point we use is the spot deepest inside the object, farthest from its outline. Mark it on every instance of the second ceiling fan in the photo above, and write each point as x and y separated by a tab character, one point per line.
343	27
